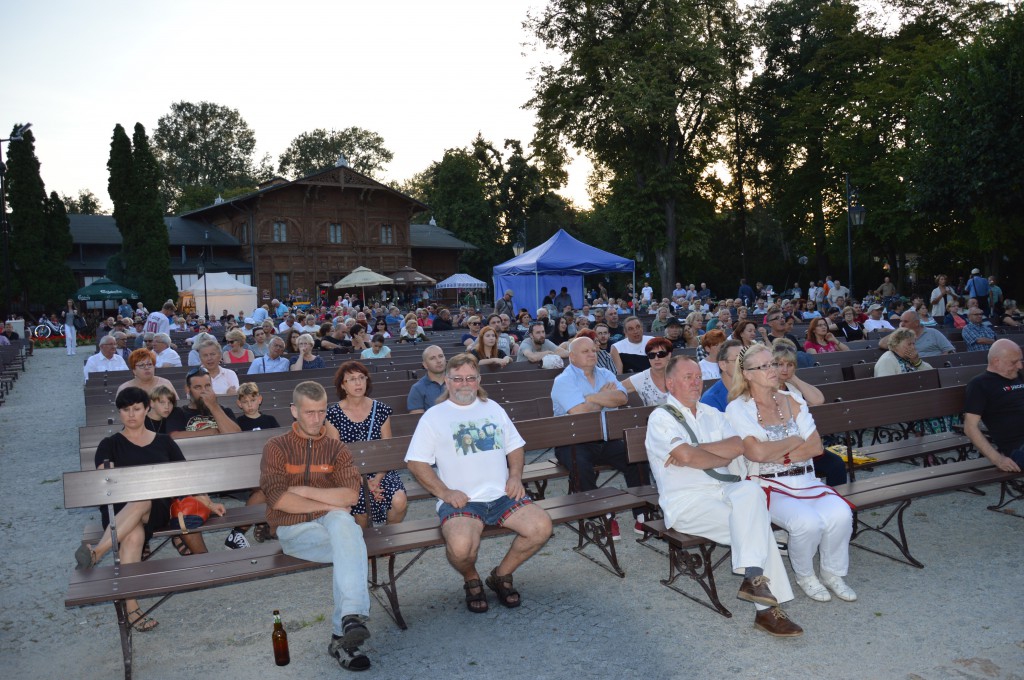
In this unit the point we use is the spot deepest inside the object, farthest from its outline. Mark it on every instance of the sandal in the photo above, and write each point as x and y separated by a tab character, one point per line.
146	551
502	585
141	623
179	544
475	602
85	557
261	532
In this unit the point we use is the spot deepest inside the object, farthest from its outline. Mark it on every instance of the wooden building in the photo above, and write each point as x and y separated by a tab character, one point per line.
289	235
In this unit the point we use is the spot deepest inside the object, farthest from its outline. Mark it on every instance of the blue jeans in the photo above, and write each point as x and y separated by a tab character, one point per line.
334	538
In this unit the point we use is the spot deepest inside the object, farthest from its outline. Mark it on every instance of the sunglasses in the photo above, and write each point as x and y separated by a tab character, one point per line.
199	370
660	354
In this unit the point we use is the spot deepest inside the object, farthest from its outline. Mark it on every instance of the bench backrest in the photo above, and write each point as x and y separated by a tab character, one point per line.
875	412
878	387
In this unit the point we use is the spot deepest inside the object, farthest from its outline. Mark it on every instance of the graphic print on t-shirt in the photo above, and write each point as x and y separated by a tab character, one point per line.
477	436
201	422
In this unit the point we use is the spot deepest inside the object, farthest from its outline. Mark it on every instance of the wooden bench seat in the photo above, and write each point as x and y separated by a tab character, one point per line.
163	578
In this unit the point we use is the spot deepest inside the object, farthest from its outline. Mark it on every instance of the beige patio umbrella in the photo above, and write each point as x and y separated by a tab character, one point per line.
363	277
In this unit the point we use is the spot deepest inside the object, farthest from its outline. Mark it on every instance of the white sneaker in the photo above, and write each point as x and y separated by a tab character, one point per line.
838	586
813	589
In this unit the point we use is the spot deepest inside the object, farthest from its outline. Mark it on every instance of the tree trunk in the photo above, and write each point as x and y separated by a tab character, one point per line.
667	258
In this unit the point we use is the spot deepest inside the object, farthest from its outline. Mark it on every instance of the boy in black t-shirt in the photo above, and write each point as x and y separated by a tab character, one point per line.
164	416
250	400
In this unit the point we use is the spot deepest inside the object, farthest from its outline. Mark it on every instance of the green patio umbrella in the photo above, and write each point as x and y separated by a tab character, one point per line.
104	289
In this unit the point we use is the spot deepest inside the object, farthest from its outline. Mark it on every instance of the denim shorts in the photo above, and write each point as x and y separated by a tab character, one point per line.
492	512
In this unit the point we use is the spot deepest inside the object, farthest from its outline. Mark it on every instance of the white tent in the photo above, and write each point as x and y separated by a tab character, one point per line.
223	291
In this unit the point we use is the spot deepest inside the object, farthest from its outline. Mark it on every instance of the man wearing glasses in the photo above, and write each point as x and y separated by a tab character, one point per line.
107	359
479	457
469	339
977	335
160	343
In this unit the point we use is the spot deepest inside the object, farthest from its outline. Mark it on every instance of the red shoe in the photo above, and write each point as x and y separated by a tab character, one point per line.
615	531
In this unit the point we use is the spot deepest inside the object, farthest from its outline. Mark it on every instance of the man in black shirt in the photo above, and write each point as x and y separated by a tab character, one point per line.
203	414
997	397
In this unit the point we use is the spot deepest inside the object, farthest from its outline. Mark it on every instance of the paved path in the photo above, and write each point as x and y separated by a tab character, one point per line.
959	617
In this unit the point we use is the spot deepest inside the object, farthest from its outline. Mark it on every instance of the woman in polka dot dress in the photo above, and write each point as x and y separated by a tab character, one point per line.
357	418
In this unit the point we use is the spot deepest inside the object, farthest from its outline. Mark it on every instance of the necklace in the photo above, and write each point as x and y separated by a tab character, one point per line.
778	410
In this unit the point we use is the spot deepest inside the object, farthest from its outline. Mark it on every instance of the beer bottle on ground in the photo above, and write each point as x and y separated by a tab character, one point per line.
280	640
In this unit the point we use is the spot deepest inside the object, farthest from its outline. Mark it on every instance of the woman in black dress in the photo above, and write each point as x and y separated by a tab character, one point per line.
136	521
358	418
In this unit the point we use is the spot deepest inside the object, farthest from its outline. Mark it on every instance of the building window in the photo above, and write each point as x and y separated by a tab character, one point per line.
280	232
387	235
334	233
281	287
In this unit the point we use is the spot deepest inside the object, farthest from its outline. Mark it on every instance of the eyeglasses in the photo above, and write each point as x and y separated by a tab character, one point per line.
474	323
145	365
774	366
660	354
355	377
774	318
469	379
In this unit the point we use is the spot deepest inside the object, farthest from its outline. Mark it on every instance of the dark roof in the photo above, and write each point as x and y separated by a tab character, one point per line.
276	183
102	230
98	263
433	236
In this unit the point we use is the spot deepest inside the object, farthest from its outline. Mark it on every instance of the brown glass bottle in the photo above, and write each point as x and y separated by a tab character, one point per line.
280	640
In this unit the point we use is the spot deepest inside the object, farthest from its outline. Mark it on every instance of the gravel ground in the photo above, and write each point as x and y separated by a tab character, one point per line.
960	617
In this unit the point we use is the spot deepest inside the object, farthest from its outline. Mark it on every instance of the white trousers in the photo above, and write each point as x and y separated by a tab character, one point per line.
815	525
735	515
71	337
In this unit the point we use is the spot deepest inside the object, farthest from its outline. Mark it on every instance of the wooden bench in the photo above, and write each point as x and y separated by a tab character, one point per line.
167	577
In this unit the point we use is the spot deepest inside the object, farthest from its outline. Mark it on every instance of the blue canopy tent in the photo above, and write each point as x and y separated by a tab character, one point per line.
560	261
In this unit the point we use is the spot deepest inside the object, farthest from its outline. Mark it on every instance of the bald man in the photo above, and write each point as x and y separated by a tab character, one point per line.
997	397
930	342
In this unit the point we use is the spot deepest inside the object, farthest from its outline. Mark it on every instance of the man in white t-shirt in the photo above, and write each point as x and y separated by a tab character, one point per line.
159	322
479	457
875	322
646	293
629	354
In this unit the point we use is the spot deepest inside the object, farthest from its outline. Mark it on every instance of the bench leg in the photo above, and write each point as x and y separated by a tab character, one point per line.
701	569
1009	491
860	527
125	630
390	586
540	488
651	513
597	531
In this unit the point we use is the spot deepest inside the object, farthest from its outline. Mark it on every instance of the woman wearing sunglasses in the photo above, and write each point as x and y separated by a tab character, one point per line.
650	384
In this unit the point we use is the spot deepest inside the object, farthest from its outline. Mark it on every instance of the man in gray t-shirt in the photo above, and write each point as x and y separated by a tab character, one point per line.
536	346
930	342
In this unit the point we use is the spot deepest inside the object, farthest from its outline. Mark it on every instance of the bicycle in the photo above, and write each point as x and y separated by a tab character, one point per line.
46	329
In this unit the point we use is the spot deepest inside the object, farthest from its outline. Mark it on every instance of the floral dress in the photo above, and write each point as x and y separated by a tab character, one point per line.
368	430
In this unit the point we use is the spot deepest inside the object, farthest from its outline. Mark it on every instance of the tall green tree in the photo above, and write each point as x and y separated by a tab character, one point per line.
319	149
639	88
41	239
85	203
458	201
813	53
134	186
966	172
203	144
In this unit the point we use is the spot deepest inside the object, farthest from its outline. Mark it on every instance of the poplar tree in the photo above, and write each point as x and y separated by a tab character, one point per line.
41	236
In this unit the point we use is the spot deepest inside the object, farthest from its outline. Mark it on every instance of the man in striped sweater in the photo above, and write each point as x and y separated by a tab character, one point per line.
311	485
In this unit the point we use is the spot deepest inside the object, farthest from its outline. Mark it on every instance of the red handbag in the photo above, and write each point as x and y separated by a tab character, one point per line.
188	505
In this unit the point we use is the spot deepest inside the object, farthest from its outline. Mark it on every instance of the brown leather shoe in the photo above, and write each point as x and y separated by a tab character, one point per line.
756	590
777	623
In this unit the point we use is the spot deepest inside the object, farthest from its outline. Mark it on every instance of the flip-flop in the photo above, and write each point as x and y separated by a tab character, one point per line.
475	602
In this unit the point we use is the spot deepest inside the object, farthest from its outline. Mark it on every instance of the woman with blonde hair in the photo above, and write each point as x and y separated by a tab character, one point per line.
779	441
306	361
238	353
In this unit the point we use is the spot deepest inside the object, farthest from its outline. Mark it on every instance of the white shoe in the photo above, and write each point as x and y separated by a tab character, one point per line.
838	586
813	589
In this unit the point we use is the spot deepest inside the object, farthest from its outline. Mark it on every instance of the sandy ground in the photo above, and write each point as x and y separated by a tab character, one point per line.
960	617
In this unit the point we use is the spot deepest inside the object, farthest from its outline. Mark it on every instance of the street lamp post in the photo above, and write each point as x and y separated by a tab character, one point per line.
854	218
5	226
201	270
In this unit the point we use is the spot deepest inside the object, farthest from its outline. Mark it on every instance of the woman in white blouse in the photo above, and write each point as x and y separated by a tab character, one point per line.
779	440
650	384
